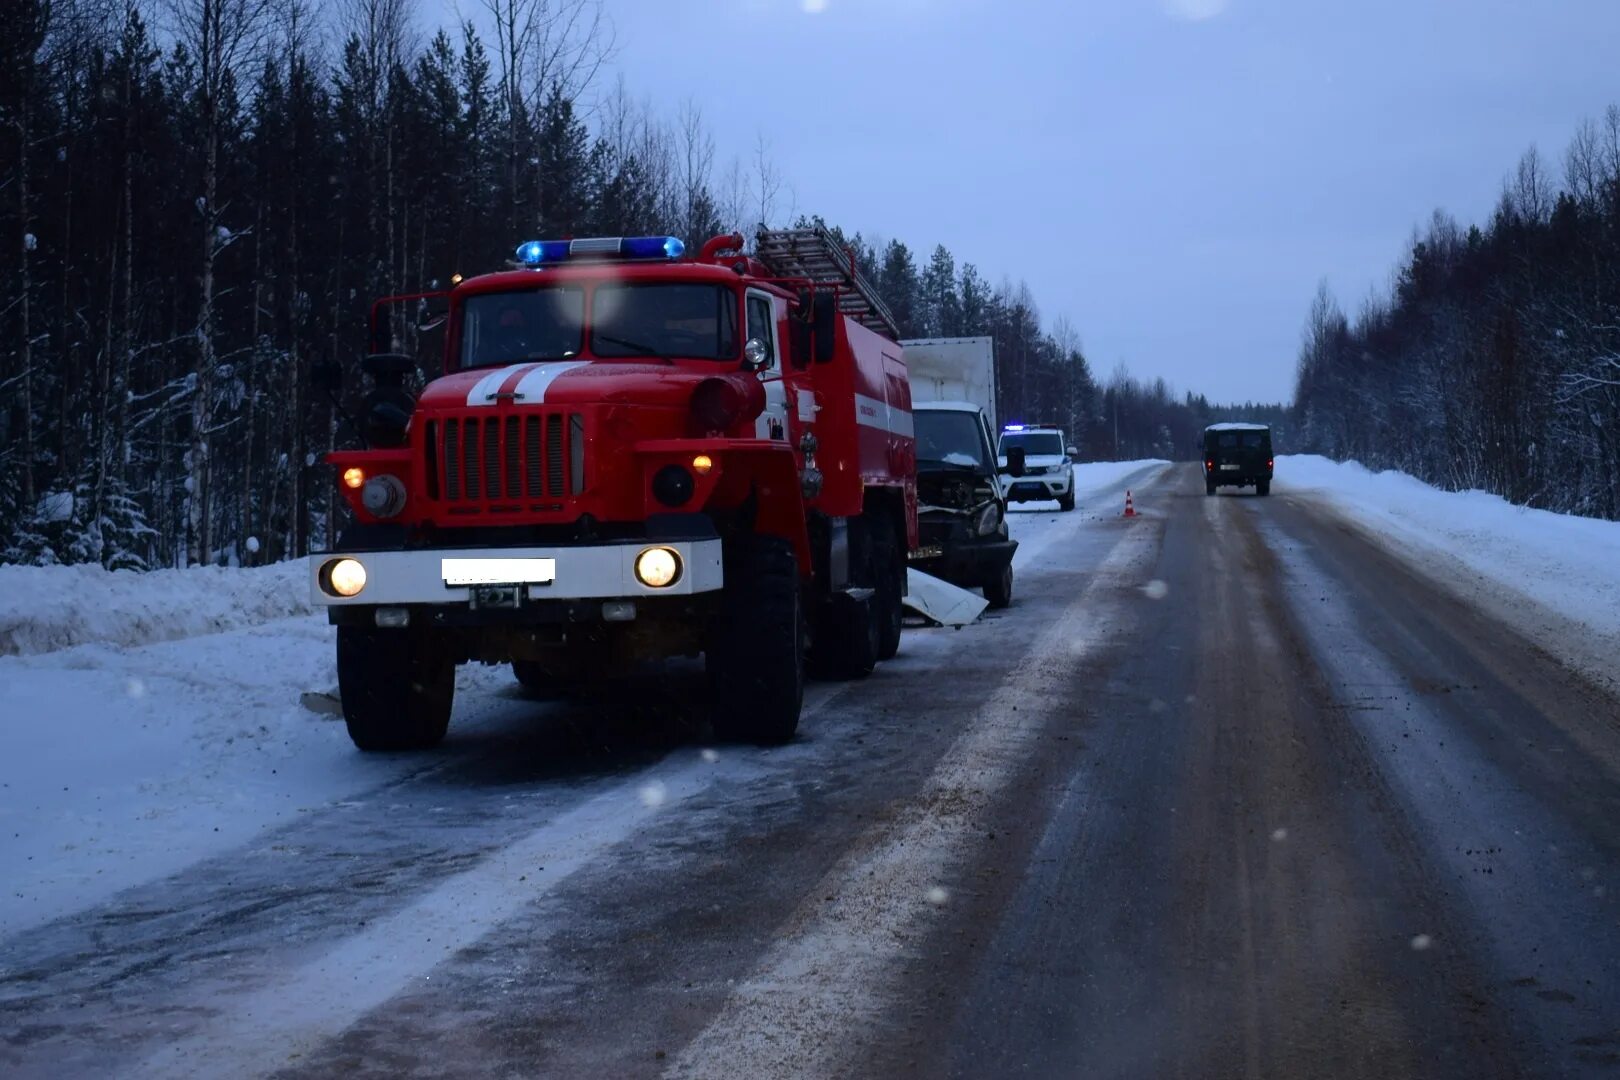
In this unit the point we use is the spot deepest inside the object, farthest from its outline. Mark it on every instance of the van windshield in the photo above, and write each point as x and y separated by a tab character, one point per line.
947	437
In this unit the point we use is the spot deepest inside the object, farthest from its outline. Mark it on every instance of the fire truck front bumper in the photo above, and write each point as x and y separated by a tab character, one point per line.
514	577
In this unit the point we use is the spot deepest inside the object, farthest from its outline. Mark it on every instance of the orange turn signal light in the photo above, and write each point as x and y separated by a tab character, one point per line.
702	464
353	477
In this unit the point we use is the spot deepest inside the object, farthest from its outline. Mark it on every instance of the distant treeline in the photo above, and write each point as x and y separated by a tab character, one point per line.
1495	361
200	197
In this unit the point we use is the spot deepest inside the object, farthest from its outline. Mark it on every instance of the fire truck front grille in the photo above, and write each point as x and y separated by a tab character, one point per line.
484	460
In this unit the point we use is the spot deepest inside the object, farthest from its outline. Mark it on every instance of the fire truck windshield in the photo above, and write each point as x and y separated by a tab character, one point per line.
510	327
664	319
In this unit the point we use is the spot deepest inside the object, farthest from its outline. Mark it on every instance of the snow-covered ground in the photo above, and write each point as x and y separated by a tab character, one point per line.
1555	575
152	720
43	608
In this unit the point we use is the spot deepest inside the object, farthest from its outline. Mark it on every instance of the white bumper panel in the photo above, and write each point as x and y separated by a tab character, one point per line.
602	571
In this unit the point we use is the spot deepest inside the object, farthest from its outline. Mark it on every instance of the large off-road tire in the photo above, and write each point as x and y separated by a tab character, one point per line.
998	587
532	677
397	687
889	564
1263	487
755	656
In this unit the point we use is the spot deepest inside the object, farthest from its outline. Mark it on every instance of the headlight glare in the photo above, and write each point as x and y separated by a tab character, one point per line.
343	577
658	568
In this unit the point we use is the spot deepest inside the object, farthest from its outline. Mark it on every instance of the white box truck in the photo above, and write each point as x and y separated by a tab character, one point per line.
961	500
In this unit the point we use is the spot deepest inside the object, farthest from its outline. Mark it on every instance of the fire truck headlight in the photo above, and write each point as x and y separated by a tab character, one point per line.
353	477
672	486
343	577
658	568
383	496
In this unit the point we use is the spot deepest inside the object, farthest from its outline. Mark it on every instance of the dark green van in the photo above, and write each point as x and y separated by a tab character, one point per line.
1237	455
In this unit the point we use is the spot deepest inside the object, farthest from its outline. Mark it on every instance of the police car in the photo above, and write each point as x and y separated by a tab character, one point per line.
1038	463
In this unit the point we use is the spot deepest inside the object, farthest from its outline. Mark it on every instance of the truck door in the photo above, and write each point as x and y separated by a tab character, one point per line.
772	423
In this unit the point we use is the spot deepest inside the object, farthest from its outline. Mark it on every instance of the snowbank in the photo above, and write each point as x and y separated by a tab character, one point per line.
1570	565
45	608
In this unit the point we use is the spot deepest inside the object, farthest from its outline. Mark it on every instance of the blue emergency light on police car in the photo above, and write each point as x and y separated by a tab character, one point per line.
1013	427
535	253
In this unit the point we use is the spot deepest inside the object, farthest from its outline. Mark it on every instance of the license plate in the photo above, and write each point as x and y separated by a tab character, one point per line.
497	596
1229	468
460	573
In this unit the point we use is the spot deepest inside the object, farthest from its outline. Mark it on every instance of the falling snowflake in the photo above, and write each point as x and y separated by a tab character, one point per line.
1422	942
654	794
1280	835
938	896
1156	590
135	688
711	756
30	242
253	545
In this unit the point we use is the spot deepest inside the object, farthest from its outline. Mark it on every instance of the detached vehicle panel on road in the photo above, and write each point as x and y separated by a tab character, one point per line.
630	455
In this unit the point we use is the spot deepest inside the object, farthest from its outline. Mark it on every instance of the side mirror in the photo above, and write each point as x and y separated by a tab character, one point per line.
1015	461
824	322
326	375
388	369
1073	452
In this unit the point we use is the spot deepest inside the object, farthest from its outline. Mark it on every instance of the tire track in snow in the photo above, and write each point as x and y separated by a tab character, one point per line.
801	1013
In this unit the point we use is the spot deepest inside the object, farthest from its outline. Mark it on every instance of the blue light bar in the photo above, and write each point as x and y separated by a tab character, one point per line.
540	252
1013	427
653	247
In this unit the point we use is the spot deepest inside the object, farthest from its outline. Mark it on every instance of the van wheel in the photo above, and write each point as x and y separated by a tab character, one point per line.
755	657
998	587
1209	487
397	687
1263	488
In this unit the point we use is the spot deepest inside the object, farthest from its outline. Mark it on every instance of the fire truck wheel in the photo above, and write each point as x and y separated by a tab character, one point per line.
531	676
755	657
889	561
397	687
998	587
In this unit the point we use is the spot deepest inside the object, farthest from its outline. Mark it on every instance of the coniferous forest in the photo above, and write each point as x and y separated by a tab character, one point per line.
1494	362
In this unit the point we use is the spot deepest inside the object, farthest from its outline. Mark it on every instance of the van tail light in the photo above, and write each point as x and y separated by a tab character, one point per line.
1270	462
1209	464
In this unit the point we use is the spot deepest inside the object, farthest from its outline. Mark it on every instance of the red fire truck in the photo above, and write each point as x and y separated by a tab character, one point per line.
630	454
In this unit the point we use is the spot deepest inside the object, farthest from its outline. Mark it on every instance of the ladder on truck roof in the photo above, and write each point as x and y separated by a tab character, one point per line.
812	254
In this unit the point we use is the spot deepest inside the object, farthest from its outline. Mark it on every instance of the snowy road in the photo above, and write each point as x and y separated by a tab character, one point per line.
1231	790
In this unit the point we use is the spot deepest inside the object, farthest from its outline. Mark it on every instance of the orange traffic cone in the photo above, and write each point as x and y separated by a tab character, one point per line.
1130	510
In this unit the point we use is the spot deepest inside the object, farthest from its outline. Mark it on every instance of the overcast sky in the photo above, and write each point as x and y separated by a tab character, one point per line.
1174	176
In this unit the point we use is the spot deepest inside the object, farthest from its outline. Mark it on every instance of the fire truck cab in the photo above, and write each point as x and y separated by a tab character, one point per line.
629	455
